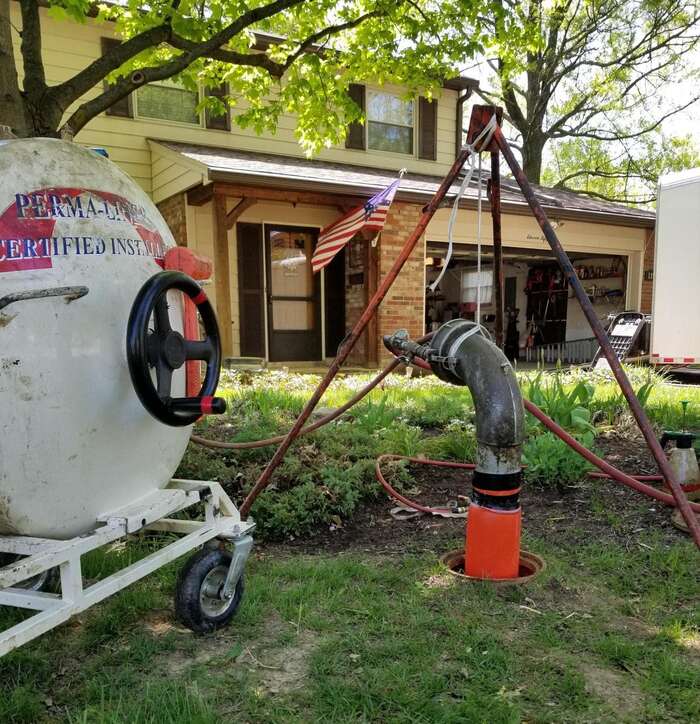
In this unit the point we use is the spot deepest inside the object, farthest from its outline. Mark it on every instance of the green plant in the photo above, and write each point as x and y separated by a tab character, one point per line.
552	462
569	408
402	439
457	442
614	405
374	414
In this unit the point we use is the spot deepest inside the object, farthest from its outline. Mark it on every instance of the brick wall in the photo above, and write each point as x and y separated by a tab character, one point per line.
647	285
174	212
404	305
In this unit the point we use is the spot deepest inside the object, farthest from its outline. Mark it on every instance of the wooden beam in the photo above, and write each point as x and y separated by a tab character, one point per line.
222	275
371	284
200	195
235	213
288	195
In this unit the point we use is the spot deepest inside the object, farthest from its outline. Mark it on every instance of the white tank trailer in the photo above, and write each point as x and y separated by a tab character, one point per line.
76	441
83	344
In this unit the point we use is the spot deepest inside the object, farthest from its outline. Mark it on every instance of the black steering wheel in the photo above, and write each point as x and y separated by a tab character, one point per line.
166	350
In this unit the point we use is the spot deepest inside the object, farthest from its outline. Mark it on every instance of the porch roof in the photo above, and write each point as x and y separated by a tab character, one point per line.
300	174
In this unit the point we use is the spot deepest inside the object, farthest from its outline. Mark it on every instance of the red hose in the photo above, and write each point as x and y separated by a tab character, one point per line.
608	471
605	476
420	461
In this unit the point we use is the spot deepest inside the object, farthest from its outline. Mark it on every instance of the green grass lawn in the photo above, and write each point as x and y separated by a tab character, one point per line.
371	632
603	635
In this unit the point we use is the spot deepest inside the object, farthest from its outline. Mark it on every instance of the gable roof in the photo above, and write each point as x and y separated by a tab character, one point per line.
287	172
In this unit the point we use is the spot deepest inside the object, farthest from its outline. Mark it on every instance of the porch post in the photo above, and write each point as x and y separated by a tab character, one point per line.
372	331
222	274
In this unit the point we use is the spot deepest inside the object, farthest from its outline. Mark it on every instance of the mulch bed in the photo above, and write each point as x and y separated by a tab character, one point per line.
588	511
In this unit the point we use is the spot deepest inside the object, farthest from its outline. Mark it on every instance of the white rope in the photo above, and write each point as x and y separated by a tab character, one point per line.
486	134
473	148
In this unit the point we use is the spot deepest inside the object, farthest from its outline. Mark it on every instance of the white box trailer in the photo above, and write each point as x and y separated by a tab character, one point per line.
675	324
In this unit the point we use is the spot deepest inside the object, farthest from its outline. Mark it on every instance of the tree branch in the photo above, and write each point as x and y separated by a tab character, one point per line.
254	60
13	108
613	136
328	31
261	60
123	87
69	91
605	197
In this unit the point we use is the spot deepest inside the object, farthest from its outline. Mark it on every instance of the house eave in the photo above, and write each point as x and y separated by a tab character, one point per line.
421	197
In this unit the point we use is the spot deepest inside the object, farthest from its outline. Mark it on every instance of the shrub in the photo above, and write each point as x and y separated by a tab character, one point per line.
402	439
315	501
200	463
458	442
552	462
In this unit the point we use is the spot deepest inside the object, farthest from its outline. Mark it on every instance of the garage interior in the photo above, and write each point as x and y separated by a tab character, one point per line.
541	321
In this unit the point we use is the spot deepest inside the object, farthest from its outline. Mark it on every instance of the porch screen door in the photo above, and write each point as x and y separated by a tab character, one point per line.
293	300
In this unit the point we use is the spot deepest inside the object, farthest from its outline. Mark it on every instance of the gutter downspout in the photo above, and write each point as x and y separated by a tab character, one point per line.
459	124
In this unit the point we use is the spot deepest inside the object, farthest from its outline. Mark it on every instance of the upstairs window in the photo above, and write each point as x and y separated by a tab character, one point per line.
168	101
390	122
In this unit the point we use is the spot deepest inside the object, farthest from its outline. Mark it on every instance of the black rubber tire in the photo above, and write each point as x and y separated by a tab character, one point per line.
188	607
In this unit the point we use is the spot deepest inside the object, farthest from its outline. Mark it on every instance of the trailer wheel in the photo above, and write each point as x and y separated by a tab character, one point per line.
199	601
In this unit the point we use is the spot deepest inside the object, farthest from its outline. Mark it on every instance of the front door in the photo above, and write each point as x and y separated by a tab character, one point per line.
293	294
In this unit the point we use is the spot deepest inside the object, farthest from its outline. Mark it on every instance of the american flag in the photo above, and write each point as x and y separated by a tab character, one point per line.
370	217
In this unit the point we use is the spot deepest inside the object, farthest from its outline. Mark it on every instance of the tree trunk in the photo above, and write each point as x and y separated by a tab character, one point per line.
533	146
13	112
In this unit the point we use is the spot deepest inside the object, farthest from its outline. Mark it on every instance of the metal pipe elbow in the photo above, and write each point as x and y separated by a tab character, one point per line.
464	357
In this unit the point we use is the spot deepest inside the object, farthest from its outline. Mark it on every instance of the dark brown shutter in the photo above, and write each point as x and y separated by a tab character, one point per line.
427	129
218	123
123	107
250	289
356	131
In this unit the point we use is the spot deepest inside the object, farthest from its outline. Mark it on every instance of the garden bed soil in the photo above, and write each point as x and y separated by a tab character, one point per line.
584	512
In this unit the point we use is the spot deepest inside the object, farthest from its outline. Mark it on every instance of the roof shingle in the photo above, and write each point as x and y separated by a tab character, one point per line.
248	167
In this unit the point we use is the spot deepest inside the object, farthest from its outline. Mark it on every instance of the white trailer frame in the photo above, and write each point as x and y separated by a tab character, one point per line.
221	520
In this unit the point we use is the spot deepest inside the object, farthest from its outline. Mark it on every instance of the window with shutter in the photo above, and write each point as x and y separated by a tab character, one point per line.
123	107
390	123
356	131
168	100
218	122
427	129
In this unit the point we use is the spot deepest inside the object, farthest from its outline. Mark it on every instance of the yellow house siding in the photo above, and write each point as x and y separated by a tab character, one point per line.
172	173
69	47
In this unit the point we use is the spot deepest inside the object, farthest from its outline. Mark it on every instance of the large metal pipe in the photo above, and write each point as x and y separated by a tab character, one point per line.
462	357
